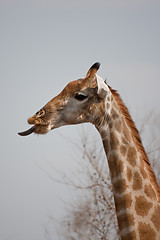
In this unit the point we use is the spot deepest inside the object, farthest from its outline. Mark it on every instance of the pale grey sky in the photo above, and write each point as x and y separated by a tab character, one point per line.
44	45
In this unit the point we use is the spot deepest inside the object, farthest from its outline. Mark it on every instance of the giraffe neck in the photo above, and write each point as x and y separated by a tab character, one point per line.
136	197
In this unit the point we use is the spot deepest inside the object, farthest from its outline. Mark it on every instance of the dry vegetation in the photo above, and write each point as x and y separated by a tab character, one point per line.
93	215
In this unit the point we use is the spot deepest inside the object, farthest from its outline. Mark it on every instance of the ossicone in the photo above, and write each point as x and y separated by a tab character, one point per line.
93	69
95	66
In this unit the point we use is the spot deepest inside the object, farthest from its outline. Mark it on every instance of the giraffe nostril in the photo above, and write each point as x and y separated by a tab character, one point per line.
40	113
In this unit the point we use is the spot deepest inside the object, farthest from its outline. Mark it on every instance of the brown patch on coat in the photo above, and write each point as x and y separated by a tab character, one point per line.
146	232
110	125
108	106
156	218
149	191
137	181
114	114
129	174
123	202
114	142
108	98
144	174
131	156
118	126
142	206
116	165
105	140
123	150
120	186
124	220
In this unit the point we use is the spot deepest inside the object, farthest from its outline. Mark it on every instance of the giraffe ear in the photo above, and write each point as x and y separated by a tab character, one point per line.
93	69
102	87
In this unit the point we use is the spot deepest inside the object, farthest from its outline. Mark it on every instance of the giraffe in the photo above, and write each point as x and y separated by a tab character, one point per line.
136	192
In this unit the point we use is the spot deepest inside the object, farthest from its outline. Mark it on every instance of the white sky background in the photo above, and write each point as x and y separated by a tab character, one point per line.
43	46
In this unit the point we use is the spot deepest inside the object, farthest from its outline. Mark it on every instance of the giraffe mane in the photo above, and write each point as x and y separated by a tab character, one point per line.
136	137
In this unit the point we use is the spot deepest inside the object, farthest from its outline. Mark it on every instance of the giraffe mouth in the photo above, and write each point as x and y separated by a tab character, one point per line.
27	132
40	127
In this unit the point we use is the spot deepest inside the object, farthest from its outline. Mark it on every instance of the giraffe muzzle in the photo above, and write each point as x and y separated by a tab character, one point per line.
27	132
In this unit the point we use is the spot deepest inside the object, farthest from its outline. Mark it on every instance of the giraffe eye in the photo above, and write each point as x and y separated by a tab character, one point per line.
80	96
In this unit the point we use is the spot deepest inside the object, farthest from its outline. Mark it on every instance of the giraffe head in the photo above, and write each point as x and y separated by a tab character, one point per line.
80	101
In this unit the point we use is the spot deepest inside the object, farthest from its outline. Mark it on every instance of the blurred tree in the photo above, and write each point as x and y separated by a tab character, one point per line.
93	215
